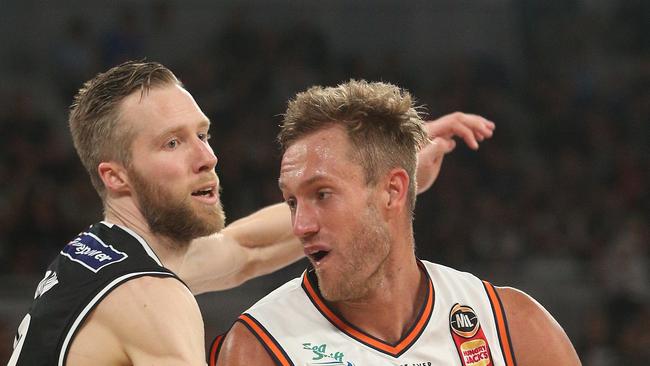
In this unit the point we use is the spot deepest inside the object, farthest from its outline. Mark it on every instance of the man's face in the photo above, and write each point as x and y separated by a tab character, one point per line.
335	215
172	174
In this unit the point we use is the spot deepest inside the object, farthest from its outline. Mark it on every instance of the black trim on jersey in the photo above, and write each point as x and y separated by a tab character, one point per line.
505	321
266	347
310	275
158	273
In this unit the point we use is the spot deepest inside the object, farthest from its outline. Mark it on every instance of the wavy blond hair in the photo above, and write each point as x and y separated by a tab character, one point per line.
385	127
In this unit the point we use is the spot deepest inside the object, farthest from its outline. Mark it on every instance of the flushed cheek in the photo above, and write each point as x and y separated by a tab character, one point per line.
163	180
174	190
161	166
172	177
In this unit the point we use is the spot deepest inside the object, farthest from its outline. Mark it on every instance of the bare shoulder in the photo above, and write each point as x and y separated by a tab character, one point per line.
537	338
155	298
149	320
242	347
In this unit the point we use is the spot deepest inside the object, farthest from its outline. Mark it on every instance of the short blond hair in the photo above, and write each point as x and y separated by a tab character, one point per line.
94	114
385	128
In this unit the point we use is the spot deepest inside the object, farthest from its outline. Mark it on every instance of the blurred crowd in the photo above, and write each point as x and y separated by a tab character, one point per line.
558	199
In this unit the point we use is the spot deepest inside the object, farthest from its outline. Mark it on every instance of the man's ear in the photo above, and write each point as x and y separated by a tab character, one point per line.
396	187
114	176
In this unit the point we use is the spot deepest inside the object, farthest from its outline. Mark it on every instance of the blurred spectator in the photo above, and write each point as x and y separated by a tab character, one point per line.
76	58
125	41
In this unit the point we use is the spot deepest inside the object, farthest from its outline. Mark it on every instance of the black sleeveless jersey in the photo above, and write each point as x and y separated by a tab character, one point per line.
87	269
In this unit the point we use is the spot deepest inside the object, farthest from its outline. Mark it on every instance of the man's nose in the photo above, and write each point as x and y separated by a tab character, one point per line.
305	221
206	160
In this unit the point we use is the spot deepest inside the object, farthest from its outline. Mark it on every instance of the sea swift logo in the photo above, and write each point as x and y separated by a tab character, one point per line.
468	336
91	252
323	357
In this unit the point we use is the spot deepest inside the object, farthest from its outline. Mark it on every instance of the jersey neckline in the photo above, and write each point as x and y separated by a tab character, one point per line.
150	252
310	286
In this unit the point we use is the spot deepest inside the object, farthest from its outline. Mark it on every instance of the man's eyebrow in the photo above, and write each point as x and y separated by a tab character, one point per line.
203	123
313	179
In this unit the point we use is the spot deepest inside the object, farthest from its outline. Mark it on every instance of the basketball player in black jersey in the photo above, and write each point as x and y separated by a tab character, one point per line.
113	295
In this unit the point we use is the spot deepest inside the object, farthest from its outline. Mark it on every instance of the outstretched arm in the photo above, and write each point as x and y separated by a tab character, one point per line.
537	338
247	248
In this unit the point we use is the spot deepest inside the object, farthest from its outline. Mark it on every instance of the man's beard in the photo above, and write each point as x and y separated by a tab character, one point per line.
366	255
174	217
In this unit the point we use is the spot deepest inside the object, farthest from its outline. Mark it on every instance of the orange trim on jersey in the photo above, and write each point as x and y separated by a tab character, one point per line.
392	349
502	325
266	339
214	349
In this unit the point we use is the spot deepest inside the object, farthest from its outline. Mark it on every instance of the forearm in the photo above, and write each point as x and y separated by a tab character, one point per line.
262	260
266	237
266	227
252	246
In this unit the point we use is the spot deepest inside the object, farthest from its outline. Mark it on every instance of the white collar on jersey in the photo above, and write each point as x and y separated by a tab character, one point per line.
140	239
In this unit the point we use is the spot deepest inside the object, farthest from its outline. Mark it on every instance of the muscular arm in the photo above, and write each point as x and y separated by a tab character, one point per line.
145	321
252	246
241	347
537	338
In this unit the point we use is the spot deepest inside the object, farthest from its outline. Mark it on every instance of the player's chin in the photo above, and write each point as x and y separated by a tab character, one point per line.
211	222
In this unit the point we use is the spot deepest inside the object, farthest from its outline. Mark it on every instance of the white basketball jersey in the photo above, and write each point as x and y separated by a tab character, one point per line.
461	323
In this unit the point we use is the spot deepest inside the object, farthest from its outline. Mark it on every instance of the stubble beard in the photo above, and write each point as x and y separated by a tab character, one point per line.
370	247
172	217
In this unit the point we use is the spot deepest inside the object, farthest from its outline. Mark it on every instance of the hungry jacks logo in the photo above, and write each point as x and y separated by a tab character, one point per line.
468	336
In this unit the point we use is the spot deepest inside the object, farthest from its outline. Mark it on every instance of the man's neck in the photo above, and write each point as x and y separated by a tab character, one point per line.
125	213
390	309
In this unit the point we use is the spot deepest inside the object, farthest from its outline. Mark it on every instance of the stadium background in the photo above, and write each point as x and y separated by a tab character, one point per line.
555	204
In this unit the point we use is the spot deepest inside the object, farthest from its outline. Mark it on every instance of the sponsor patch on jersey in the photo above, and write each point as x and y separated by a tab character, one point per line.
471	344
91	252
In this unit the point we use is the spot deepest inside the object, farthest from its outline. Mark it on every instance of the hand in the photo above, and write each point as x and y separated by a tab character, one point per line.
470	127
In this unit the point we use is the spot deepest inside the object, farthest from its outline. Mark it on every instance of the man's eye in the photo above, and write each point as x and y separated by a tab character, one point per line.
204	136
172	144
291	202
323	194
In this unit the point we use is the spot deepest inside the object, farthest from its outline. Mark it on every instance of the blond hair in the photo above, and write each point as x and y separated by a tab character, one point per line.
384	126
94	119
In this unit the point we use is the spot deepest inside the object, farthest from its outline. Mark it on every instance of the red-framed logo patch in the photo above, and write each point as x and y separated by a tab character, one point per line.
471	344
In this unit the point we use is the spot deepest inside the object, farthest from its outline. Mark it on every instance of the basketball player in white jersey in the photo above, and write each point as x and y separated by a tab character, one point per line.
347	175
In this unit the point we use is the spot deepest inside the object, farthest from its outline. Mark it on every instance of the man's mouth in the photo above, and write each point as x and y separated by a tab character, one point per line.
317	255
206	192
